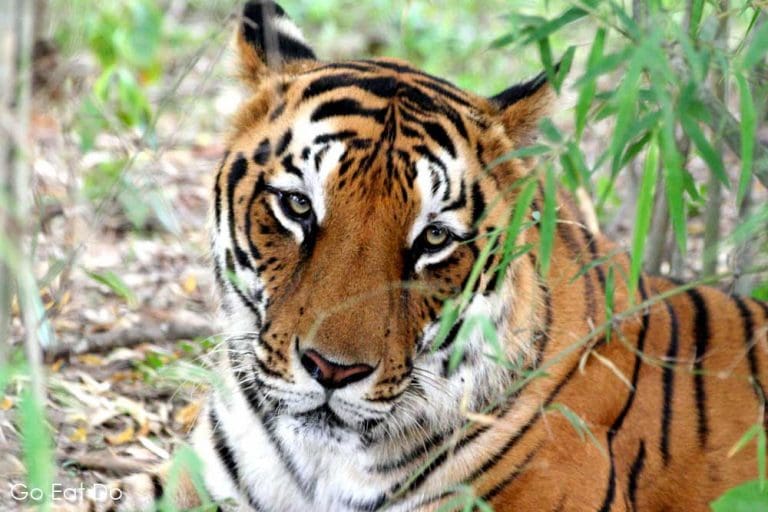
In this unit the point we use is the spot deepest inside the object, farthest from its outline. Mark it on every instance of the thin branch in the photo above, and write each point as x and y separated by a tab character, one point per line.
657	237
177	329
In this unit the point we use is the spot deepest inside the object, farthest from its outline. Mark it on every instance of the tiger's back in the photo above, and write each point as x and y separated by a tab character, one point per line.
361	203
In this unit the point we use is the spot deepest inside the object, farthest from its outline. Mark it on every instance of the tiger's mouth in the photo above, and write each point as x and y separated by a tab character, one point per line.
322	416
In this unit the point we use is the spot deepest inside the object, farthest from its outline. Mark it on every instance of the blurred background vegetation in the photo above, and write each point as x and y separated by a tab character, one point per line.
116	127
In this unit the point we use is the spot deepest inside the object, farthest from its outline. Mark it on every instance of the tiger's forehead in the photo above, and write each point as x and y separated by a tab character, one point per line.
374	130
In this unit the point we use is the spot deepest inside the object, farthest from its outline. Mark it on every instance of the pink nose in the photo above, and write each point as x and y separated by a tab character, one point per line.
333	375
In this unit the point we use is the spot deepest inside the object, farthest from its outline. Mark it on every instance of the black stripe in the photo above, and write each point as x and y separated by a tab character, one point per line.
511	442
593	251
262	153
459	202
224	452
668	382
346	66
421	450
478	204
576	250
282	143
257	190
237	172
749	339
544	334
289	166
365	506
217	190
257	22
347	107
227	457
445	92
451	336
439	135
306	488
333	137
291	48
701	339
431	82
518	92
634	475
157	487
511	477
381	86
610	492
229	262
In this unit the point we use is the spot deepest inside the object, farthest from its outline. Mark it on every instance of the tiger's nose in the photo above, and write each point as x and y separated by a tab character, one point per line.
333	375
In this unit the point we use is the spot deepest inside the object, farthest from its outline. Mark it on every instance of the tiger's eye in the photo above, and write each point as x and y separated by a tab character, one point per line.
299	204
436	235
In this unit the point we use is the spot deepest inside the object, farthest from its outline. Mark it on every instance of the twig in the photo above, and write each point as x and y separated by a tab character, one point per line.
105	460
176	329
657	237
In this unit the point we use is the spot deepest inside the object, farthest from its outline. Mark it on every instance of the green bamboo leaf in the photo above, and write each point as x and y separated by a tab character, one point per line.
697	9
610	289
674	178
522	206
470	325
748	129
550	132
710	155
747	497
448	318
548	221
550	27
744	439
627	103
627	23
578	424
758	47
525	152
588	88
36	445
564	67
761	458
607	63
115	283
643	215
547	60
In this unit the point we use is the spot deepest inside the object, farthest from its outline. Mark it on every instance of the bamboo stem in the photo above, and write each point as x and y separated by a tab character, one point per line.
714	187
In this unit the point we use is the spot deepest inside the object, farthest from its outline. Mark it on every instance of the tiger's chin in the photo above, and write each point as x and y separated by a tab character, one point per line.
322	425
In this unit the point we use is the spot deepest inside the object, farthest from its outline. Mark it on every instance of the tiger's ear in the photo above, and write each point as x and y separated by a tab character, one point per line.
522	106
267	41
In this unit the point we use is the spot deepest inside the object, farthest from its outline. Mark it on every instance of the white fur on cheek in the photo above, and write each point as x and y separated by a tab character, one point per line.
435	194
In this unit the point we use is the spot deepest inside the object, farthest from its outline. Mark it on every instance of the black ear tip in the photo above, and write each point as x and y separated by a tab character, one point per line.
256	10
521	91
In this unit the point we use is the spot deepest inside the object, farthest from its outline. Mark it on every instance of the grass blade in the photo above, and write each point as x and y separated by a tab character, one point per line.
643	215
548	221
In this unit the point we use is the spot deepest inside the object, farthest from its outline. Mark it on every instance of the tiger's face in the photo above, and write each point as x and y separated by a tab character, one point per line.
354	200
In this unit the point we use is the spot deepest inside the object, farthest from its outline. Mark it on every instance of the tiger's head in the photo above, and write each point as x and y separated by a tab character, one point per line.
360	204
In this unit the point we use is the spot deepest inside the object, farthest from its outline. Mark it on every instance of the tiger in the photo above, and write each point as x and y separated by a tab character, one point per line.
393	344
